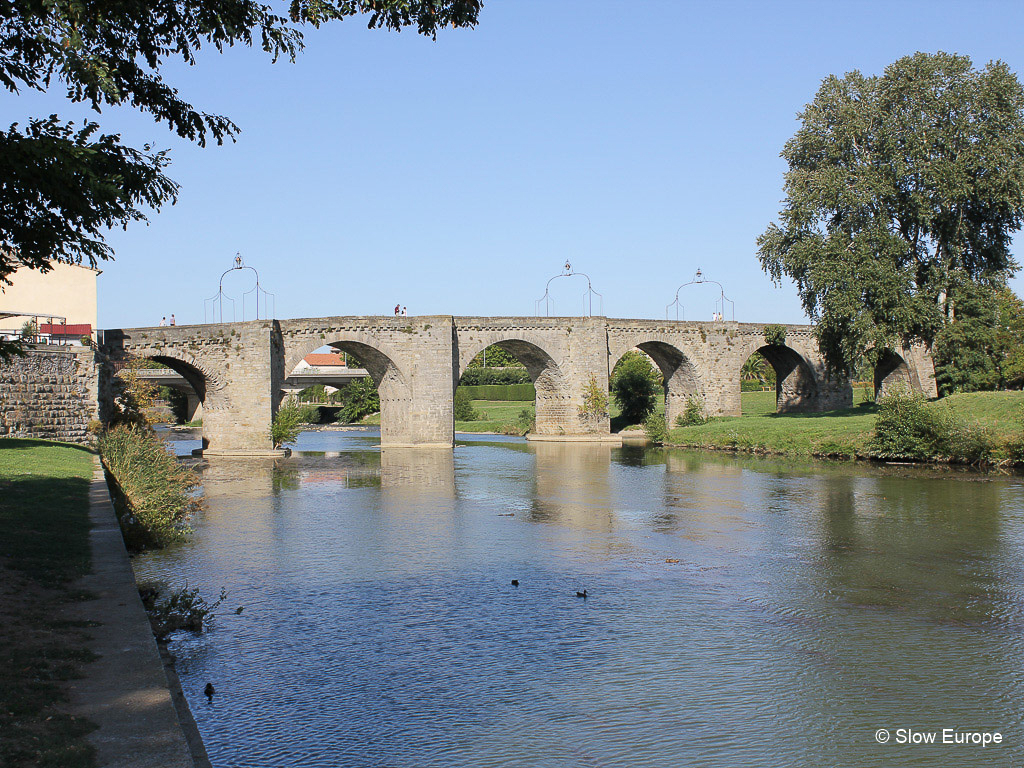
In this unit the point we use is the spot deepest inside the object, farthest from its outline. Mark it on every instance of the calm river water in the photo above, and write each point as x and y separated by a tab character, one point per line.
740	612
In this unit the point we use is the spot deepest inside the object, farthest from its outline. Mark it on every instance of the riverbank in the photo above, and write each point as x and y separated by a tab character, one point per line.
81	680
844	434
44	549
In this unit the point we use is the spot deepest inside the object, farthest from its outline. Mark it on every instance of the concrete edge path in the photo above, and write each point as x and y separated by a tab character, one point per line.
125	691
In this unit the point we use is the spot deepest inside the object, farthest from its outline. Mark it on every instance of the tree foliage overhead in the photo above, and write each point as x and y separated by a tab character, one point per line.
62	185
901	189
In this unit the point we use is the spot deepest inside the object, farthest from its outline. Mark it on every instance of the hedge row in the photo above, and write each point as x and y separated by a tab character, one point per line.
474	377
513	392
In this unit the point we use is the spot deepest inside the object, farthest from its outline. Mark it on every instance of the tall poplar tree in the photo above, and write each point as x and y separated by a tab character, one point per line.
902	190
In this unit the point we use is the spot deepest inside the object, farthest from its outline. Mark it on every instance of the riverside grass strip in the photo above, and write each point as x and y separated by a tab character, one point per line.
844	433
44	547
494	415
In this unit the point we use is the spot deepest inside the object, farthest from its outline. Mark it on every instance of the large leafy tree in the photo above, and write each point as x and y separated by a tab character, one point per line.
63	185
984	348
902	191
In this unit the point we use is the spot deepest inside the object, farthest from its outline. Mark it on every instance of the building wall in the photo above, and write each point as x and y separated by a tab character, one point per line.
51	393
67	291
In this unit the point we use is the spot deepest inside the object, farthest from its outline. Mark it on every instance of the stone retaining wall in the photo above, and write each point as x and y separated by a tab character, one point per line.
50	393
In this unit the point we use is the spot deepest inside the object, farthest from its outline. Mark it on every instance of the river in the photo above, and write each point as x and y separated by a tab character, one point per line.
739	611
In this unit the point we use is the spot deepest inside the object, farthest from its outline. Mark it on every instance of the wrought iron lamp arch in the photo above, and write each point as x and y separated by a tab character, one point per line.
588	296
216	302
720	302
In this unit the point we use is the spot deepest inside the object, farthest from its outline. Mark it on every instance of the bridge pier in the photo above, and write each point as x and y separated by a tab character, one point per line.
194	407
409	359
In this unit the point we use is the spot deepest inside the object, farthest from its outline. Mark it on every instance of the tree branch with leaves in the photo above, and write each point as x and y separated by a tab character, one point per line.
63	185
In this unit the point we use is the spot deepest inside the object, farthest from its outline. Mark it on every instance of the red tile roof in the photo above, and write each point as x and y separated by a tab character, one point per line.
322	360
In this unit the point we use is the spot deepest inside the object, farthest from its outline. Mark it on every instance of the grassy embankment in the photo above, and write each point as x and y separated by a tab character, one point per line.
843	433
839	434
44	547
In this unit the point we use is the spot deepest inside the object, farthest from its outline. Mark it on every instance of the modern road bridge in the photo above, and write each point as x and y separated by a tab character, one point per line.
239	371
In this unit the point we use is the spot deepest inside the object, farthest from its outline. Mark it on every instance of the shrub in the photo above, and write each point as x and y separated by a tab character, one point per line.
309	414
287	424
693	413
526	421
183	609
152	489
359	398
635	385
463	409
595	401
133	396
656	429
906	428
774	334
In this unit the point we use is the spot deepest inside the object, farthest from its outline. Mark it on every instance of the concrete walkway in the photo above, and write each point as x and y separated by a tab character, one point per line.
125	691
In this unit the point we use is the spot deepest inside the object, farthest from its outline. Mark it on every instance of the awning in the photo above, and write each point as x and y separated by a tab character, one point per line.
53	329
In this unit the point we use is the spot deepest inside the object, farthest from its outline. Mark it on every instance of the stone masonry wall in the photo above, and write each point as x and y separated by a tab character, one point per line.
238	369
51	393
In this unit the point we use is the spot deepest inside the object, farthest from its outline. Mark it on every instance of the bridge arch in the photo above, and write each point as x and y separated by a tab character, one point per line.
381	364
191	373
552	403
891	372
205	389
797	384
680	374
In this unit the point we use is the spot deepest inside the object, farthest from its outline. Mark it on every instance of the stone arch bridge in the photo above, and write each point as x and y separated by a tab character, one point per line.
238	370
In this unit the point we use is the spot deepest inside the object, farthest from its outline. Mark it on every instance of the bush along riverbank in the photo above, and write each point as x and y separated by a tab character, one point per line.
44	548
979	428
152	491
153	497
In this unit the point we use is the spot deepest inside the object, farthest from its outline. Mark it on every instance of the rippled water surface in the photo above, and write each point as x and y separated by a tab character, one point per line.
739	612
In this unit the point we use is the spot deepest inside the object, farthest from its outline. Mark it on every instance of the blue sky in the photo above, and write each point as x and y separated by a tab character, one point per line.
639	140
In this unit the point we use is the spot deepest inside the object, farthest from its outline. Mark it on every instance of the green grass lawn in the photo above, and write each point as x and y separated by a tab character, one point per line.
838	433
44	546
843	433
495	414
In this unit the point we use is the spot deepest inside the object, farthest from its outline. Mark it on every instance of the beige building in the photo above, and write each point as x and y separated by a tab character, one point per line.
62	302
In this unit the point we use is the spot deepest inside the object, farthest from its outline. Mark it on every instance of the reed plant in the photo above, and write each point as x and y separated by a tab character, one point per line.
153	490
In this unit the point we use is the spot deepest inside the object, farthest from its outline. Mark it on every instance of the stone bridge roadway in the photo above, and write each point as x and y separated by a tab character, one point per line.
238	370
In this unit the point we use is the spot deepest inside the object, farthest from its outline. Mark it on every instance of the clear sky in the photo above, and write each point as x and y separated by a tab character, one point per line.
639	140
